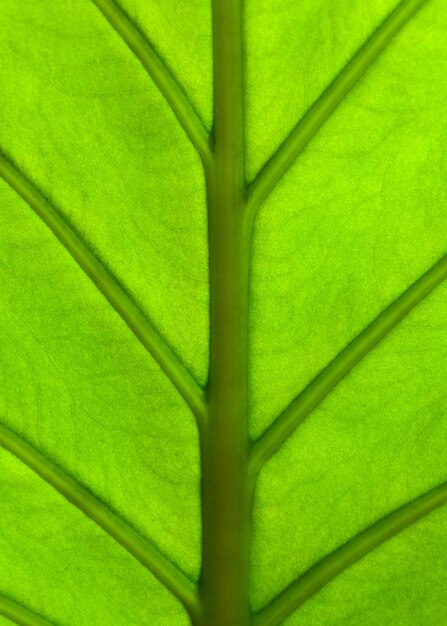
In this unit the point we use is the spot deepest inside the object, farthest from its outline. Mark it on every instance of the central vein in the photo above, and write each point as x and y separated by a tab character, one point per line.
224	445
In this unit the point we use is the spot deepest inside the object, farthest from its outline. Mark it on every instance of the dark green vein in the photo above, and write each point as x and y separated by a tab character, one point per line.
147	554
327	103
224	580
356	548
343	363
108	286
161	76
19	614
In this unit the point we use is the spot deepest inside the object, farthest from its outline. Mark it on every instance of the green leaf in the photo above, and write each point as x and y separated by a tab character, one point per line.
222	309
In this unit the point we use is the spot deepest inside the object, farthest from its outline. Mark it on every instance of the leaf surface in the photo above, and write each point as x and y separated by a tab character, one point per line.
358	218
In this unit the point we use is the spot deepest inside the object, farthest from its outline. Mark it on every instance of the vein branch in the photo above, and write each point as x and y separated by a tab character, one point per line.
109	287
327	103
284	425
19	614
356	548
157	70
146	553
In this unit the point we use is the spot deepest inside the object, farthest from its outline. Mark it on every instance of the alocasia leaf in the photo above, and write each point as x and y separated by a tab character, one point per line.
223	344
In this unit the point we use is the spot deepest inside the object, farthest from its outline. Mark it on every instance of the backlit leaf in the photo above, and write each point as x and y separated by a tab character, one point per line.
105	113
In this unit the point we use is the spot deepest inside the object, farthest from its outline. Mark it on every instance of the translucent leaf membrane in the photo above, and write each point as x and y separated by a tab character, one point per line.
293	53
57	563
374	444
181	31
357	219
81	389
81	117
394	585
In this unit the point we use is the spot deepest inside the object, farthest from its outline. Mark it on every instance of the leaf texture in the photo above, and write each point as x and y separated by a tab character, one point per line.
106	110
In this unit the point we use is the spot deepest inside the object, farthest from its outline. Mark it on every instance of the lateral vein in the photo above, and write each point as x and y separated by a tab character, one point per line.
109	287
297	411
20	614
343	557
159	73
147	554
327	103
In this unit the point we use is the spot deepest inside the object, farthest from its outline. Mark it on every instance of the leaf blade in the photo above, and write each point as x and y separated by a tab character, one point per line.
93	267
327	103
147	554
359	546
158	71
301	407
